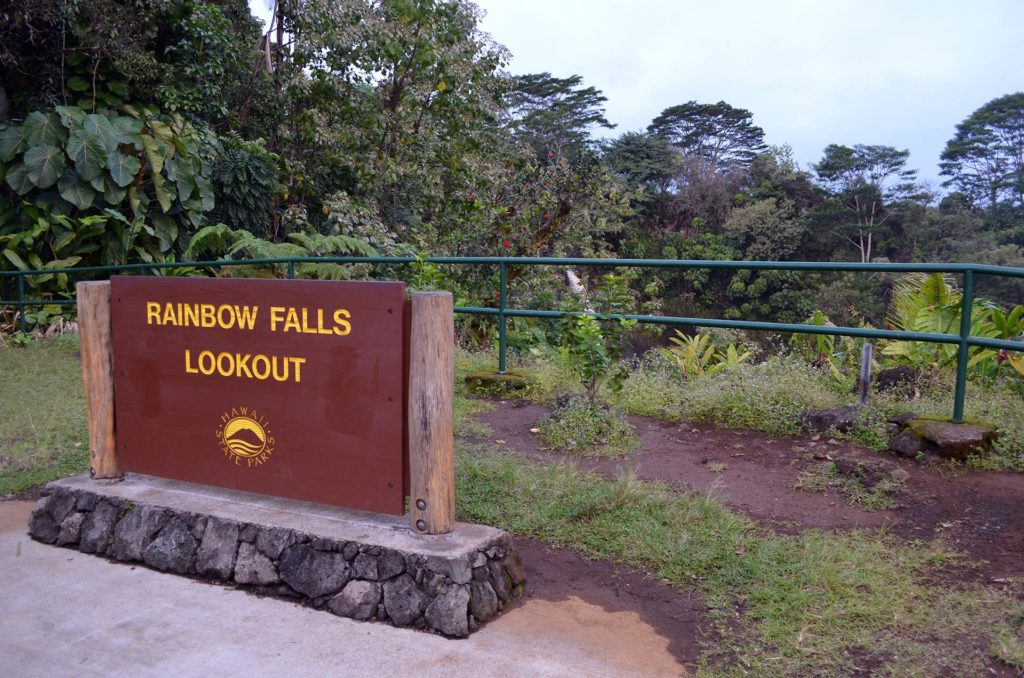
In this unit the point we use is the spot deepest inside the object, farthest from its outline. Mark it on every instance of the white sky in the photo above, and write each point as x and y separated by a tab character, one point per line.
896	72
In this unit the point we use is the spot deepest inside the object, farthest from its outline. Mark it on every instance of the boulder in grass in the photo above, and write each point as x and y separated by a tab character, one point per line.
838	418
951	440
492	381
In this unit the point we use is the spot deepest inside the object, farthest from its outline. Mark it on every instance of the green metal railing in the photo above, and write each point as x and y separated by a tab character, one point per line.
963	339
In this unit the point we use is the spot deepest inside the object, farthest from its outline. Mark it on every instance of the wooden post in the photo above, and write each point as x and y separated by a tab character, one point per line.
98	377
431	423
864	381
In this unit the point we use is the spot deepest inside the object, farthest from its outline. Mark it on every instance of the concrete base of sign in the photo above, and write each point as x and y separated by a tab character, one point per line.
359	565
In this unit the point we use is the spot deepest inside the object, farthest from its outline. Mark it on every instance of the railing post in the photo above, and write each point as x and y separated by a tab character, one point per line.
21	303
966	311
502	293
291	270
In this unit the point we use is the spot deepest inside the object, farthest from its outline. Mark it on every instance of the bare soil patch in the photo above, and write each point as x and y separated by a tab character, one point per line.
979	513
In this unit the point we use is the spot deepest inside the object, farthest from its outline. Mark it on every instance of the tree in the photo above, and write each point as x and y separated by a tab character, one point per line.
766	230
866	182
555	115
723	136
645	161
985	158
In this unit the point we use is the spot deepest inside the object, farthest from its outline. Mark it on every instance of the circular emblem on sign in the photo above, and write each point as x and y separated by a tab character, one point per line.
245	437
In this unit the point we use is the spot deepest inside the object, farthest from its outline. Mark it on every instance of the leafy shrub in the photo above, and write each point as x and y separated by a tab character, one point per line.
142	165
592	430
245	182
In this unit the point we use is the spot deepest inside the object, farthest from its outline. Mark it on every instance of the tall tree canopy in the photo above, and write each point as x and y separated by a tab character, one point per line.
868	181
985	158
555	115
723	136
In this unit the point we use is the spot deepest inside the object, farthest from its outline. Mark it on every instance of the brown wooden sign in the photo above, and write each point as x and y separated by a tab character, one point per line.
283	387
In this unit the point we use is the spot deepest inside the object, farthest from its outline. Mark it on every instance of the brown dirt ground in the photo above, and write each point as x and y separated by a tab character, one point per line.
980	514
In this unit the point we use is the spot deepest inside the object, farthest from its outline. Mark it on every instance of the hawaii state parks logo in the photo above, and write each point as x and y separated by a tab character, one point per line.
245	437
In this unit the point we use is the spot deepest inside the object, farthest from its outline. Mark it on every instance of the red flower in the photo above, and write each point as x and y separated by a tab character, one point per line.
545	217
551	154
508	244
1001	358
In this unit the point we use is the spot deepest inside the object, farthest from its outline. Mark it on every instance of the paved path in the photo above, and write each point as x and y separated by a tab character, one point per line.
65	613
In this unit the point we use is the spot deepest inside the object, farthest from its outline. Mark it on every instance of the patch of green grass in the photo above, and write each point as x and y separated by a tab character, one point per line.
466	424
813	604
589	430
43	433
823	477
652	390
769	397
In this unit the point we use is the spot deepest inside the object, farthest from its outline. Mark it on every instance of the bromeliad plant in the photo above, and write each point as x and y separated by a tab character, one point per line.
697	356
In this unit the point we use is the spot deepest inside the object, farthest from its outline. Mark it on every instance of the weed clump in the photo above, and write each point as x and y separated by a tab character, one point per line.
589	429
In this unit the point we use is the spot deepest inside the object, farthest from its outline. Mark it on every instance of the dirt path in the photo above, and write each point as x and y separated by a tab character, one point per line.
979	513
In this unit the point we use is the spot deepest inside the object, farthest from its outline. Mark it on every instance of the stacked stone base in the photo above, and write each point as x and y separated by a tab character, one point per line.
354	564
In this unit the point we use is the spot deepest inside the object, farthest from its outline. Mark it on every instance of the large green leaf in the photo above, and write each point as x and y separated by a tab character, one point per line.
76	191
166	230
89	153
45	164
161	131
163	196
206	192
44	128
12	141
123	168
100	126
70	116
112	193
18	262
77	84
17	179
154	152
134	200
127	128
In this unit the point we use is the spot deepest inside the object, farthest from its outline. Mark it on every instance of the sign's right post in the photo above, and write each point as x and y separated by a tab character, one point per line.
430	418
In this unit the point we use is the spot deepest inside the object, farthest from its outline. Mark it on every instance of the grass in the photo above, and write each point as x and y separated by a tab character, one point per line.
819	603
466	424
825	476
42	414
589	430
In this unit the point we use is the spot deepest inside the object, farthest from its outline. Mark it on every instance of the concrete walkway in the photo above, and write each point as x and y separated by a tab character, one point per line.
65	613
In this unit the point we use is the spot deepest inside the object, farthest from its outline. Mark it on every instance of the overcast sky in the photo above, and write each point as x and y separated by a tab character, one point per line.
813	72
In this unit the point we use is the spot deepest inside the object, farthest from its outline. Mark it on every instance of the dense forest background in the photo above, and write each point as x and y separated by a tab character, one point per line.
160	130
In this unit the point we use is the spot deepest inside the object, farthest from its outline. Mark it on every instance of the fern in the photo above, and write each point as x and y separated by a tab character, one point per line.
916	292
221	241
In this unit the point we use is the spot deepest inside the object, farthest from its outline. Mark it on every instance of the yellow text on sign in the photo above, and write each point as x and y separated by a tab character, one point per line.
231	316
245	365
289	319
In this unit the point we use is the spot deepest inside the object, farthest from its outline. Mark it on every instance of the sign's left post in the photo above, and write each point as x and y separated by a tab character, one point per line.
94	331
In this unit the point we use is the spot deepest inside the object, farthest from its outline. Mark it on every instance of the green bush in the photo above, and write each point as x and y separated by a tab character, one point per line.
592	430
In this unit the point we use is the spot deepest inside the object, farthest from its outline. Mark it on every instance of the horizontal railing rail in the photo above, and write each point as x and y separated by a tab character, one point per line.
963	339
